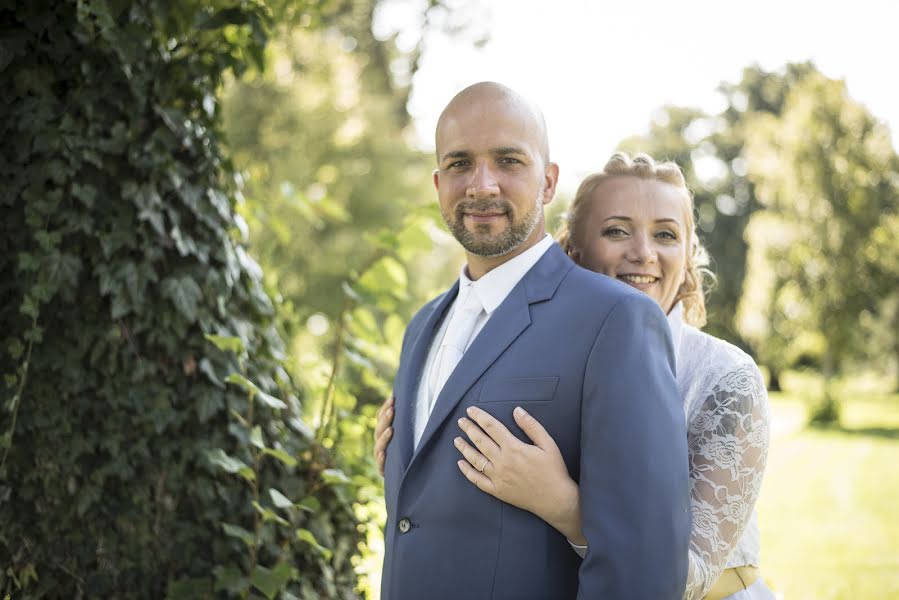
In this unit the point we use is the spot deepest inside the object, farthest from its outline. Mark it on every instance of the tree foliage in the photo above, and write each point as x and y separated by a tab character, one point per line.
152	443
822	255
710	149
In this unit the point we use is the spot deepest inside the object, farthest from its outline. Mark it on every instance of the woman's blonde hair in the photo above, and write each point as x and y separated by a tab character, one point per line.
571	234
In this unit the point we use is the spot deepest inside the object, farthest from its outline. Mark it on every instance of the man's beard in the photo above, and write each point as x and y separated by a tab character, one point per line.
484	244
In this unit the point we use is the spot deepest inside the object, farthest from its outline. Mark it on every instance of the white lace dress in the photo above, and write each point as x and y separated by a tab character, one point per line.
726	406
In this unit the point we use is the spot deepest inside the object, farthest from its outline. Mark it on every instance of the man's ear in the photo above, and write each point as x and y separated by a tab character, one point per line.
550	179
436	176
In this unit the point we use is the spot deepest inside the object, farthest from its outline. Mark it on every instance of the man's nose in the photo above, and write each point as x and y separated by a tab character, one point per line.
483	183
641	250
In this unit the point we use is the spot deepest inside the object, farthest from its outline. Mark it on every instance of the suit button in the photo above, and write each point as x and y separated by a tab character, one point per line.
405	525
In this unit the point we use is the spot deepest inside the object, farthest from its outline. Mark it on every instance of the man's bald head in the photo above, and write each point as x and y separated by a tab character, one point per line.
491	96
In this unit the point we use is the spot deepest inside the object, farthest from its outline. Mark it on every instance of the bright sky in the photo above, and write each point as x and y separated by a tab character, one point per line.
600	69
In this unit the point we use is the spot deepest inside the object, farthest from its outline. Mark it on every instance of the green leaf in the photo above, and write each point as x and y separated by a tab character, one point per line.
281	455
230	579
240	533
310	504
247	473
256	437
184	293
279	499
335	477
304	535
196	588
270	515
254	391
227	343
272	581
228	463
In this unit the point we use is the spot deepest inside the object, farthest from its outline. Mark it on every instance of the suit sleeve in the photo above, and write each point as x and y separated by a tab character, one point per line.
634	473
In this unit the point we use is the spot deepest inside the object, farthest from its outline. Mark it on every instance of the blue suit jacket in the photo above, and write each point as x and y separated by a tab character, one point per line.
592	360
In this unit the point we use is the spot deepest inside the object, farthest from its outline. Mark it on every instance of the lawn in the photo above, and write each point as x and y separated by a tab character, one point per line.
829	508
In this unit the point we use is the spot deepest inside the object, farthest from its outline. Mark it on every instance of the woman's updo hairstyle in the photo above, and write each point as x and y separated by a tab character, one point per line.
571	234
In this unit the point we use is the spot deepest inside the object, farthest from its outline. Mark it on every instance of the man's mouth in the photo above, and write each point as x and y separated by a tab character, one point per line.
484	217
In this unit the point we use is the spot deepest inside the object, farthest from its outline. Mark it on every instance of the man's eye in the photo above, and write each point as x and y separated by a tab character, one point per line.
458	164
508	160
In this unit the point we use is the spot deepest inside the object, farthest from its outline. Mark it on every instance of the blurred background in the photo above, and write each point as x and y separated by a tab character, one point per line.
785	119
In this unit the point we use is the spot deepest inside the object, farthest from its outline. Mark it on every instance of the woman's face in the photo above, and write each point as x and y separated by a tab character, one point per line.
636	232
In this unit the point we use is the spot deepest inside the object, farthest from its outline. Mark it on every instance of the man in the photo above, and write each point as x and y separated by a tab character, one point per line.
589	357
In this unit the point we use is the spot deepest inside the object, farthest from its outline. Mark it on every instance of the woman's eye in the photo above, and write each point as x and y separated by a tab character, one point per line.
615	232
667	235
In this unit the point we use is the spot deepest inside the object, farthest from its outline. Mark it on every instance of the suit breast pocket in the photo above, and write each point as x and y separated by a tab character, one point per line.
519	389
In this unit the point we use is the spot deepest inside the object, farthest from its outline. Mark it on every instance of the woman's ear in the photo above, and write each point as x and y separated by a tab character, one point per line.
574	255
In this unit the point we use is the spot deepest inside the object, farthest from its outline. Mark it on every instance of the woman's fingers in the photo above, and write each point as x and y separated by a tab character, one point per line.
491	426
476	477
383	432
385	417
381	448
534	430
474	458
483	442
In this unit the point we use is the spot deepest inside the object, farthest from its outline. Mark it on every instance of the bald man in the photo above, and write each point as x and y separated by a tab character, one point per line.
589	357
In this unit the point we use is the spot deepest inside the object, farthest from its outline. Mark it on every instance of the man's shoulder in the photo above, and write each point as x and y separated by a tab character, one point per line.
592	286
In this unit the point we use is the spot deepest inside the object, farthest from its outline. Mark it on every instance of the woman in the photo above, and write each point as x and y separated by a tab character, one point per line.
634	222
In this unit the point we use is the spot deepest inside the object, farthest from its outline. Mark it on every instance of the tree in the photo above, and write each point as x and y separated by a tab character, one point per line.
152	442
826	175
710	150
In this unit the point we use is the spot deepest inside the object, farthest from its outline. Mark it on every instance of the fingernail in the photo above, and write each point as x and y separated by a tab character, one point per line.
470	410
389	431
462	422
457	442
519	412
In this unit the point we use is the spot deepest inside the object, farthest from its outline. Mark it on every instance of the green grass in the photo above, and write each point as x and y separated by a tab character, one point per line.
829	509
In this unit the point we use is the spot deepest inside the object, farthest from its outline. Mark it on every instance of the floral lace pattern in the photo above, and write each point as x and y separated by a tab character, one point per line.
728	425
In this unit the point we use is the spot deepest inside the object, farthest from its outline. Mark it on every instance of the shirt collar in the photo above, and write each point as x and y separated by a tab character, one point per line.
493	287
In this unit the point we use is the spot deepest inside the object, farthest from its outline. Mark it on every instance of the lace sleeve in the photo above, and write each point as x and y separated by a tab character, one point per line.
728	445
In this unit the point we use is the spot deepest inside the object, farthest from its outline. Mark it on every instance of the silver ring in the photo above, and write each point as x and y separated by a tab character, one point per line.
484	466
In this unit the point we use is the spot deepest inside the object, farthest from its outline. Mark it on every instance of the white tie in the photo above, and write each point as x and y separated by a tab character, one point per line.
457	337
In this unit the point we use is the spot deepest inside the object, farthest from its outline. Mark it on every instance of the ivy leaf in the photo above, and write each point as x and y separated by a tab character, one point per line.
256	437
269	515
228	463
227	343
310	504
335	477
307	536
230	579
254	391
184	293
271	581
281	455
279	499
240	533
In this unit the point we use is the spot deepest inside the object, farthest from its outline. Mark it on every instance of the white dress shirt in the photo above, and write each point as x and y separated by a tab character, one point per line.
492	289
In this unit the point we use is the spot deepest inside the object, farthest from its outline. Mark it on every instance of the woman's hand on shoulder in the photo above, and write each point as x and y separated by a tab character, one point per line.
531	477
383	432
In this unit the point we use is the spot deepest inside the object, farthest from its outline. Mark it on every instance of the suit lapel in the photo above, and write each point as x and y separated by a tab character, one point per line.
505	325
411	373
